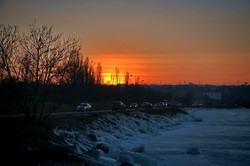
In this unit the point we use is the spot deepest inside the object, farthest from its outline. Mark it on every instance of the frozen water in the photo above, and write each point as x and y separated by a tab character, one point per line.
218	136
223	138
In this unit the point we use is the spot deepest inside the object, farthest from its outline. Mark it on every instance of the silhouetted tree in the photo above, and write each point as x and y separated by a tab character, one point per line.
127	77
99	74
117	75
8	51
42	53
88	71
70	70
112	78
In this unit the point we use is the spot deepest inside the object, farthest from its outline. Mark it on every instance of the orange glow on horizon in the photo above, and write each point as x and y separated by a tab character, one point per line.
123	64
176	69
109	81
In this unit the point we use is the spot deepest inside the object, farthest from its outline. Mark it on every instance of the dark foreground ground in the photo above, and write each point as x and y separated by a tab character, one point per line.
24	143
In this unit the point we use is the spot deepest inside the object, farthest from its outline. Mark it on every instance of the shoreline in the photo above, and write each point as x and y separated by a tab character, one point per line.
42	144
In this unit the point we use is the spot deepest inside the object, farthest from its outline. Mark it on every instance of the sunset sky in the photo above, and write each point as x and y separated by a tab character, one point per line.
162	41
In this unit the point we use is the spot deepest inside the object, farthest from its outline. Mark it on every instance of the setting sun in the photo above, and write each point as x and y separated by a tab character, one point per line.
117	66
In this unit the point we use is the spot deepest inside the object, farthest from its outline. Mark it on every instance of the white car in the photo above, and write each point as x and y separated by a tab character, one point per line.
134	105
84	107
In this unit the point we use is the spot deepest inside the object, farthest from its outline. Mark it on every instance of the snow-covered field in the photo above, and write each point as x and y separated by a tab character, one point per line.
216	136
222	138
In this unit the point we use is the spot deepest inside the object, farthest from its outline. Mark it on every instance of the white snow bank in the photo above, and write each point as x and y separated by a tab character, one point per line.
110	140
140	158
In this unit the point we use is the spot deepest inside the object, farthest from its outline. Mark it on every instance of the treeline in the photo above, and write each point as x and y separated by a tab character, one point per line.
31	62
45	57
42	72
230	96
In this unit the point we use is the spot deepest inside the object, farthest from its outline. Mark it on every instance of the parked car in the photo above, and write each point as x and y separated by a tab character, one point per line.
134	105
161	105
84	107
146	105
118	105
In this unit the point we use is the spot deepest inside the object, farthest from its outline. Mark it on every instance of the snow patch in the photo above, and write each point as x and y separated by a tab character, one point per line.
113	139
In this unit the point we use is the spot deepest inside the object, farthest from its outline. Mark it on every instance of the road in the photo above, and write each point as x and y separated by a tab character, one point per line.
62	114
58	114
